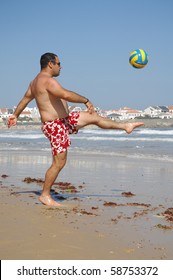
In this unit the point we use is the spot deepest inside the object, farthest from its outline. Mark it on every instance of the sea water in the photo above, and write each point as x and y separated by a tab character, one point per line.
107	161
146	143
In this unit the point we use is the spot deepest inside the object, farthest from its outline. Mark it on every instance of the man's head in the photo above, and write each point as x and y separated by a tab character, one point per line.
50	60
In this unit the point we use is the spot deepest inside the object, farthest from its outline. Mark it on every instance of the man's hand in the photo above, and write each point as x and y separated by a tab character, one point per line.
90	107
12	120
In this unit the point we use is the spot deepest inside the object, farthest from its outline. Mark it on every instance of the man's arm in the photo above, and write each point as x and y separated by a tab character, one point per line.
12	120
54	88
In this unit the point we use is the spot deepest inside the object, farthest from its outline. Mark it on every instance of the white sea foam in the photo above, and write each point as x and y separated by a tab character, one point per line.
102	138
155	132
121	132
13	149
102	131
22	136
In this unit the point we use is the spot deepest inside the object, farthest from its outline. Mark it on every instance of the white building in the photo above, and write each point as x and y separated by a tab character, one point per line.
4	113
158	111
125	114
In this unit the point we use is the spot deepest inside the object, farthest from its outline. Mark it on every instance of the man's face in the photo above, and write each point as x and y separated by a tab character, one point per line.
56	67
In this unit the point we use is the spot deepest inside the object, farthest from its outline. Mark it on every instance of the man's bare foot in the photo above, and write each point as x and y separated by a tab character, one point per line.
131	126
47	200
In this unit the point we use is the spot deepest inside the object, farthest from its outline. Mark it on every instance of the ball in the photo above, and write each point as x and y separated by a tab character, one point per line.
138	58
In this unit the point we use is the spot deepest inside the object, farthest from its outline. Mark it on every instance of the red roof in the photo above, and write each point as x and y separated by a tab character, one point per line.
3	110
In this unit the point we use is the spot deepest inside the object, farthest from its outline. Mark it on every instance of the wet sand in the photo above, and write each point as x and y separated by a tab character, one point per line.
124	208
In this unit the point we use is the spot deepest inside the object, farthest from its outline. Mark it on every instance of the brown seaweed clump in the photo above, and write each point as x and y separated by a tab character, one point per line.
127	194
66	187
135	204
165	227
63	186
4	176
29	180
138	204
169	214
112	204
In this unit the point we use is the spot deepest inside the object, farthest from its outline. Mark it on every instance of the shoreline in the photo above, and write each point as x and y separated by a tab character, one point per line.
107	224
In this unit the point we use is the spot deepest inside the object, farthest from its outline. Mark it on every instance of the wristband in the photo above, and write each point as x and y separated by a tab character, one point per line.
86	101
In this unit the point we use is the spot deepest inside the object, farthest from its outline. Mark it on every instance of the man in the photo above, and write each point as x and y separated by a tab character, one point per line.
57	123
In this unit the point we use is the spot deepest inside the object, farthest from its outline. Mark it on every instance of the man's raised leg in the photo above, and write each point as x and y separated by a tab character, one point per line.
87	119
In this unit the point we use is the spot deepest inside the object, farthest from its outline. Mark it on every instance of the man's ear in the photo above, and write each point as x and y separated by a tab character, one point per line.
50	64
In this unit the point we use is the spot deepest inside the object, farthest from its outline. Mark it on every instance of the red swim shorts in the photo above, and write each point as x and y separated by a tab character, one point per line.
57	132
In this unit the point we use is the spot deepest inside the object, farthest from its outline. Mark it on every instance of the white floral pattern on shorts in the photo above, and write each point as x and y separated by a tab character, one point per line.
57	132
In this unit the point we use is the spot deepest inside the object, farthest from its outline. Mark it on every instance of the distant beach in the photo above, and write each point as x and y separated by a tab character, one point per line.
148	123
121	184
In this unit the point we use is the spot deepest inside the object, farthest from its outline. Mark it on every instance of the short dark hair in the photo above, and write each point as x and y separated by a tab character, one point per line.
46	58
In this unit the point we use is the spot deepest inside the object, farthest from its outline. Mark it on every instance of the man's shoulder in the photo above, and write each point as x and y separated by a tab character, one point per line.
43	78
53	82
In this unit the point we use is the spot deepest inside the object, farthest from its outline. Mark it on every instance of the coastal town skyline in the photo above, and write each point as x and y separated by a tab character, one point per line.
125	113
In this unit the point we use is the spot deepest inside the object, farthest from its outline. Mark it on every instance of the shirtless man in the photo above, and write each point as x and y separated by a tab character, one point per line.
57	123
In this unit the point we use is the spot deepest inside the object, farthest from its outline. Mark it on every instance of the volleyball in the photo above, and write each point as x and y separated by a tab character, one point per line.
138	58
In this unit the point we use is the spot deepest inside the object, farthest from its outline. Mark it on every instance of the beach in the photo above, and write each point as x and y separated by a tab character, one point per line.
123	205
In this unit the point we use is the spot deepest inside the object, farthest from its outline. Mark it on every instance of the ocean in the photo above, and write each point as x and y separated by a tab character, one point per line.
144	143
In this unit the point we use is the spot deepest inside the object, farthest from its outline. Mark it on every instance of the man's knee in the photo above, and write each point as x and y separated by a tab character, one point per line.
59	160
94	118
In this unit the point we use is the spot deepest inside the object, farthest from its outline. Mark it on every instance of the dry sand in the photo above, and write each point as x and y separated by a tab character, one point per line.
122	210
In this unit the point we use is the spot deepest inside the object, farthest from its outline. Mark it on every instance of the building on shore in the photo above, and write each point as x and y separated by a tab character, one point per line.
122	114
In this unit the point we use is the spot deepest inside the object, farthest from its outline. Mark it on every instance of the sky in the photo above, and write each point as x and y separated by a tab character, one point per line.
93	40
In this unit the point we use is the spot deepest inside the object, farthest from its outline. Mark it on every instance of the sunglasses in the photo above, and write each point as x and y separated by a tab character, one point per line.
54	62
58	63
